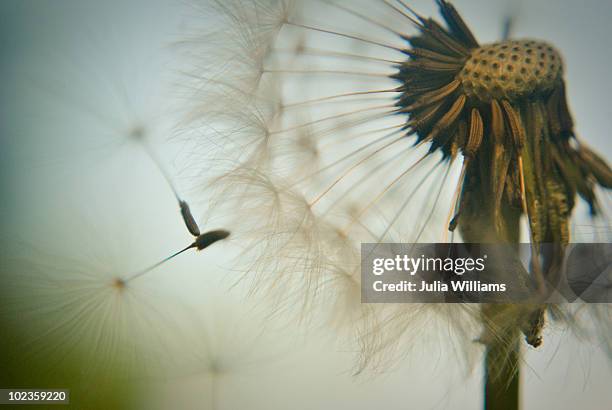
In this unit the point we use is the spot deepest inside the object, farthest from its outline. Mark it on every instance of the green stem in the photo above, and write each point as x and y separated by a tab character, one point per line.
502	377
484	222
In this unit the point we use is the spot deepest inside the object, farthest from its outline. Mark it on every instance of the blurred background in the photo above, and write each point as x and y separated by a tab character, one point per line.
80	77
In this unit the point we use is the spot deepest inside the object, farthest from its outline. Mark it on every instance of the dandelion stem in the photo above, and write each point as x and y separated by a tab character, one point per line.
201	242
158	163
158	264
501	332
502	384
188	218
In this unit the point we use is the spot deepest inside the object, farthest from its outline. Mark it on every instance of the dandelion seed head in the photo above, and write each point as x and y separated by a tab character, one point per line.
511	69
72	318
359	142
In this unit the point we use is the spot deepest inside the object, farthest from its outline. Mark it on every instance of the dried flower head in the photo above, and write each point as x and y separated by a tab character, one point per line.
380	118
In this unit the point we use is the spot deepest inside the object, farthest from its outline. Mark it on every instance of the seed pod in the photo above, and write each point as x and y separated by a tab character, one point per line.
449	118
476	133
205	240
516	127
190	222
497	122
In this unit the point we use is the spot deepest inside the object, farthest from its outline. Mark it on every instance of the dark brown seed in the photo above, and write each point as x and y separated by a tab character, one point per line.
190	222
518	132
475	135
205	240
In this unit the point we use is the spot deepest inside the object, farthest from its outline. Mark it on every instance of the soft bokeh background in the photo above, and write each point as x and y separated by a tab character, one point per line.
78	76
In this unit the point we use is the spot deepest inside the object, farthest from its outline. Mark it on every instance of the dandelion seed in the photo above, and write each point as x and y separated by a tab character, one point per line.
96	104
73	321
202	242
188	219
